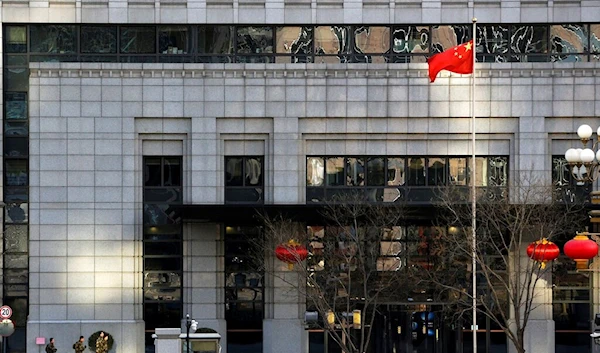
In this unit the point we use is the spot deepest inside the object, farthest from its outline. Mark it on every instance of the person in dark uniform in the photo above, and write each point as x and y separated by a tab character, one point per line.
50	346
78	346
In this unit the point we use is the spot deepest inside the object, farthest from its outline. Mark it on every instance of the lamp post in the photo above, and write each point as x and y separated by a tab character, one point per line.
584	162
189	324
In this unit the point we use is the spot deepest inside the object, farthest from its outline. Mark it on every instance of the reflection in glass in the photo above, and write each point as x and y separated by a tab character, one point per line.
447	36
416	172
395	171
492	43
138	40
157	214
436	171
16	60
16	128
370	39
15	105
16	39
57	39
16	261
458	171
567	39
171	172
162	263
595	38
16	212
253	171
173	39
215	40
233	171
332	40
355	172
315	171
15	238
375	171
528	39
411	39
158	195
98	39
294	40
334	167
254	40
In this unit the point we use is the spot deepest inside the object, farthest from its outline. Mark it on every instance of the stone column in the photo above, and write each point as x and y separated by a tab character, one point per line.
539	334
204	288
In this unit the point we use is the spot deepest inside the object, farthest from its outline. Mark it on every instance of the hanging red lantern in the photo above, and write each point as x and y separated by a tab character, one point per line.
543	251
291	253
581	249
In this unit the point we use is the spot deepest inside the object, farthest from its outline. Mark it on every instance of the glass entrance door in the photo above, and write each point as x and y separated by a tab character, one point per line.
412	329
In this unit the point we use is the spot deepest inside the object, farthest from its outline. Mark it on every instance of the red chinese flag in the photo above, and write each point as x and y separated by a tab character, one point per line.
458	60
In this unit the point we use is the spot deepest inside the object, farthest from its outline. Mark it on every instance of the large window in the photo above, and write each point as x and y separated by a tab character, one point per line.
244	181
162	244
244	288
400	178
325	43
566	188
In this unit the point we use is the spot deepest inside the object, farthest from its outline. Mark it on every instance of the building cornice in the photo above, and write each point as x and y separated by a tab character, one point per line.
303	71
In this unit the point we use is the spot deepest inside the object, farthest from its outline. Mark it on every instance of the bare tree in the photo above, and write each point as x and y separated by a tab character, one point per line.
508	219
350	267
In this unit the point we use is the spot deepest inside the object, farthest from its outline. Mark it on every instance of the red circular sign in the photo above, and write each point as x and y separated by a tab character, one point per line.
5	312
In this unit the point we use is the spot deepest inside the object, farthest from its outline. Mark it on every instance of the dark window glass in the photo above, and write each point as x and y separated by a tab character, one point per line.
527	41
16	79
166	195
174	40
152	172
233	171
16	128
570	342
172	172
436	171
492	43
16	172
16	194
15	105
215	40
375	171
15	238
242	342
162	248
55	39
571	316
316	342
16	146
162	264
254	40
19	316
16	39
16	60
162	315
416	171
158	214
17	276
140	40
334	167
98	39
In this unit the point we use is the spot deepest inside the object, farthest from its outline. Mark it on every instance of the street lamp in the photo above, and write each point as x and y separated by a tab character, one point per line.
189	324
584	162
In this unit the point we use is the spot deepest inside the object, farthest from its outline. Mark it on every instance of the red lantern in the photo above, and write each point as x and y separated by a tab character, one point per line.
291	253
581	249
543	251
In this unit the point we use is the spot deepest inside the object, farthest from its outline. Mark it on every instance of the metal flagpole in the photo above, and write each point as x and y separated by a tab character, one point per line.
473	190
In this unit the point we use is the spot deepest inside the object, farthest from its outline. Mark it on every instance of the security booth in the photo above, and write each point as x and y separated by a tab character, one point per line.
201	343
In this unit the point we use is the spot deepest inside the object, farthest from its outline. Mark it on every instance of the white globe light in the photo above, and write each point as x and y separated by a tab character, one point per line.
598	155
587	155
598	131
579	150
584	131
572	155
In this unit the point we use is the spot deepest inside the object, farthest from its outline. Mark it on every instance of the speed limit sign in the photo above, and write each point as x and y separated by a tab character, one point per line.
5	312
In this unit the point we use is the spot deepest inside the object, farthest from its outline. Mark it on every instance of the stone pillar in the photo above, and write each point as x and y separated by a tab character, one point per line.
204	287
166	340
284	312
539	334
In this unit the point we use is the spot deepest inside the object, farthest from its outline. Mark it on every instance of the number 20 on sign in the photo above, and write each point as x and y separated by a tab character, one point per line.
5	312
